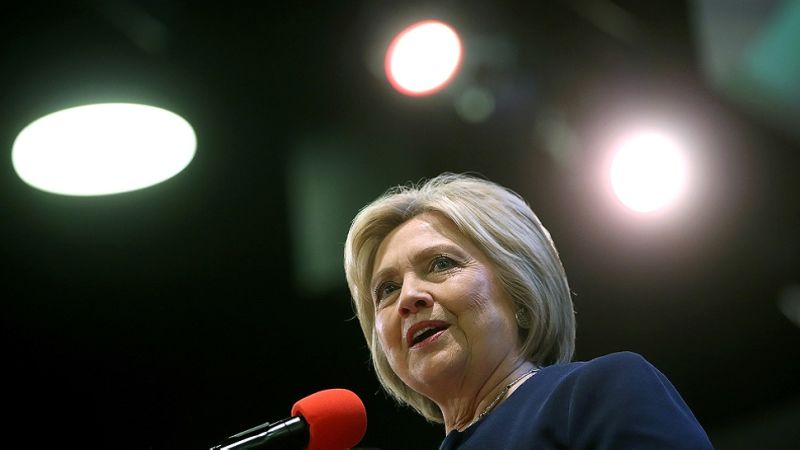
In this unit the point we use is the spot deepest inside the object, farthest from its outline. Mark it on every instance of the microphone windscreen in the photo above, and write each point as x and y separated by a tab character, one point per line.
337	419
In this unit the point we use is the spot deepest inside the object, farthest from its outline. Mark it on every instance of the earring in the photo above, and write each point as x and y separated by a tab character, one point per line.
523	320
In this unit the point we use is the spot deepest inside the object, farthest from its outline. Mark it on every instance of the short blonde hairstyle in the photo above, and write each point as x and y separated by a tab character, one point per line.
501	224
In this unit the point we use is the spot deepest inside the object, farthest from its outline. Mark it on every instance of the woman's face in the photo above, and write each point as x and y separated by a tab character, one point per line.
441	314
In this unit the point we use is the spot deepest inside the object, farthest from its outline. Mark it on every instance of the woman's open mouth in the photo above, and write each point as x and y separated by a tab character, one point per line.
425	333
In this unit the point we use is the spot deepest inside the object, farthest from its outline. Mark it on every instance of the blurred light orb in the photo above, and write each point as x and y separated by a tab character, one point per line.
475	104
103	149
648	172
789	303
423	58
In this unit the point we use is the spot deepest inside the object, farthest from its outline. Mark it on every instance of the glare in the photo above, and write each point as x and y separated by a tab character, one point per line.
103	149
648	172
423	58
475	104
789	303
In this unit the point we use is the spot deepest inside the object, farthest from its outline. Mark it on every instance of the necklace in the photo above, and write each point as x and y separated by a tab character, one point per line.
500	396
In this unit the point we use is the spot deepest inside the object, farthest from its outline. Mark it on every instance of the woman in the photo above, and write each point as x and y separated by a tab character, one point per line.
466	309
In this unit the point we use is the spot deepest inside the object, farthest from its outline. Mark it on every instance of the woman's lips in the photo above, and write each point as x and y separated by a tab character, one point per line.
438	325
428	341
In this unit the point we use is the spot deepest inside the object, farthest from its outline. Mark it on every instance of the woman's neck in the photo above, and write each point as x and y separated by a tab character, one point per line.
480	398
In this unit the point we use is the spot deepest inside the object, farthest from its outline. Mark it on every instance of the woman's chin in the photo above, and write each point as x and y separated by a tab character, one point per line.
432	370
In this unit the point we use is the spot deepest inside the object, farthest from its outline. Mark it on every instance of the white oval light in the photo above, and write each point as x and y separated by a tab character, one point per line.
648	172
103	149
423	58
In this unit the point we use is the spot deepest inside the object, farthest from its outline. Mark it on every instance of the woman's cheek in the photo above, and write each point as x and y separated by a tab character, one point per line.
384	334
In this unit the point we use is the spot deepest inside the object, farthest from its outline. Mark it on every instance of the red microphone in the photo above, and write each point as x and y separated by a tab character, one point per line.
333	419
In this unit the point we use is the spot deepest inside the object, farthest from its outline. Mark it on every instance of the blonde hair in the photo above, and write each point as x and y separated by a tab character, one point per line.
502	225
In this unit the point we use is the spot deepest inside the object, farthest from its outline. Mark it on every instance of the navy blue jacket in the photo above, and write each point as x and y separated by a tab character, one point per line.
618	401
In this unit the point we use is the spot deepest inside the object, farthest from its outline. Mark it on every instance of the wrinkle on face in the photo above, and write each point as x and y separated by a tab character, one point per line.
482	331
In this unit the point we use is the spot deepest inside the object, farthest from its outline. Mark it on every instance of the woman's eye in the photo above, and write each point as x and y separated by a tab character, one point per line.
442	263
384	290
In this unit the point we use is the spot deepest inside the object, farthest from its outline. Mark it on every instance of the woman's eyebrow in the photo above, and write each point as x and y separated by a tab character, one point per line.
427	252
380	275
416	258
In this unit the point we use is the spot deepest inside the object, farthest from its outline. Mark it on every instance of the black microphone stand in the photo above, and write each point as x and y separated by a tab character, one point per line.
287	434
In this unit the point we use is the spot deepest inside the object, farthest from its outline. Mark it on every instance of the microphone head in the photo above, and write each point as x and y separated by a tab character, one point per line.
337	419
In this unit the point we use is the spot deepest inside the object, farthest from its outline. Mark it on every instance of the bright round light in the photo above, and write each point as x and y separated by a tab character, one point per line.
648	172
423	58
103	149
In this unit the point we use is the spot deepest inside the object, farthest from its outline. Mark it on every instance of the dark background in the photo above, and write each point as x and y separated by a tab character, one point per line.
171	317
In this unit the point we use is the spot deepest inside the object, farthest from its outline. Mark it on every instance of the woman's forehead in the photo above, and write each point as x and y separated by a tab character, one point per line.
419	231
422	234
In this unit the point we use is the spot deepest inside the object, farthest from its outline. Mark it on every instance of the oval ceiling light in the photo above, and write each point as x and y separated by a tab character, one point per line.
103	149
423	58
648	172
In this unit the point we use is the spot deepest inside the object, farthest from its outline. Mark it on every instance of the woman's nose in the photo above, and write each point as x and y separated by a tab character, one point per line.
413	298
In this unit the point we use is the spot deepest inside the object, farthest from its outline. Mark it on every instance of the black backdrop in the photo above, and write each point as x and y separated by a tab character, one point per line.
171	317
